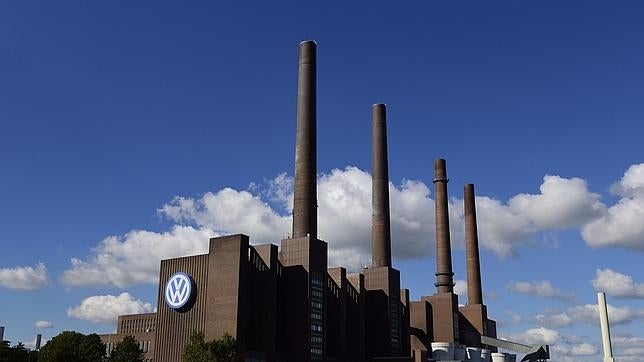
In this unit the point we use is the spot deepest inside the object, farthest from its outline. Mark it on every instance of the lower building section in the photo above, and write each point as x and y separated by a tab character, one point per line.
286	305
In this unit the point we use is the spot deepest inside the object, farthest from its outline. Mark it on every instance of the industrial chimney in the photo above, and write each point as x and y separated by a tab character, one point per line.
605	327
380	223
444	274
305	193
473	264
38	340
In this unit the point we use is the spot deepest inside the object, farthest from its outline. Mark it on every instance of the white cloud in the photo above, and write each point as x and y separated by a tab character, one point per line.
134	258
562	348
460	288
231	211
344	199
500	229
513	320
562	203
43	324
627	341
622	225
539	288
617	284
578	349
106	308
24	278
589	313
553	319
537	336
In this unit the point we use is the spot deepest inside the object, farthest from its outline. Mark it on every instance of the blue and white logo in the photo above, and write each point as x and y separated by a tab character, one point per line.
178	290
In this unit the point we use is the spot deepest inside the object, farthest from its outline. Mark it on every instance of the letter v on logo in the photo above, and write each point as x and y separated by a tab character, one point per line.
178	290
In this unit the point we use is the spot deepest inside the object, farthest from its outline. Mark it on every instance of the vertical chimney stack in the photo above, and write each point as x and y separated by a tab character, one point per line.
605	327
38	340
305	193
444	274
474	291
380	222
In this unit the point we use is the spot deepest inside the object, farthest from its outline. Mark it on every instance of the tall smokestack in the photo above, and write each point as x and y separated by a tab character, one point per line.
444	274
38	340
474	291
380	223
1	333
605	327
305	193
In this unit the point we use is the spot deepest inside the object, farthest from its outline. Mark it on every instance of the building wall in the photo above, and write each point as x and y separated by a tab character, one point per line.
175	327
445	315
383	311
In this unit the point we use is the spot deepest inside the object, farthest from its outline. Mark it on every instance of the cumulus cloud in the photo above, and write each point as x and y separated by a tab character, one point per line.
622	224
24	278
106	308
537	336
617	284
344	200
43	324
578	349
562	203
553	319
512	320
562	348
627	341
134	257
230	211
460	288
589	313
539	288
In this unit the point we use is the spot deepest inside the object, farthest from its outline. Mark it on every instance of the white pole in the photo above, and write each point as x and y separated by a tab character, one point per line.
603	321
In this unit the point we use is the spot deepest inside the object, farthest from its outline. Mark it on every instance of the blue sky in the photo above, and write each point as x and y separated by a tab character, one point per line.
130	127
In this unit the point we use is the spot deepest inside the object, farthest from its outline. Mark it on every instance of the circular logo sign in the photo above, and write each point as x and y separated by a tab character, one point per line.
178	290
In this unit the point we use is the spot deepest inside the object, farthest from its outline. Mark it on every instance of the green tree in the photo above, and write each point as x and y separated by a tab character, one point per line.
127	350
223	349
196	350
73	346
17	353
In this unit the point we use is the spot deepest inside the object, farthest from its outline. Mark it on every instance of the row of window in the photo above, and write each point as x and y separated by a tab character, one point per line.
143	345
257	261
137	325
316	352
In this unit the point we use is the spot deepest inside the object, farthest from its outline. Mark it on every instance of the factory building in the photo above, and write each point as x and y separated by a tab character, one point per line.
285	304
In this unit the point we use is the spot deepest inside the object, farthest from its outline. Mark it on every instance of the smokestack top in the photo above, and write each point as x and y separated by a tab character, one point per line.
379	105
308	52
440	170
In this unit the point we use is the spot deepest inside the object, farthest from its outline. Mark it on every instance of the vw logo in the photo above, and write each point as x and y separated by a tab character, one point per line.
178	290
